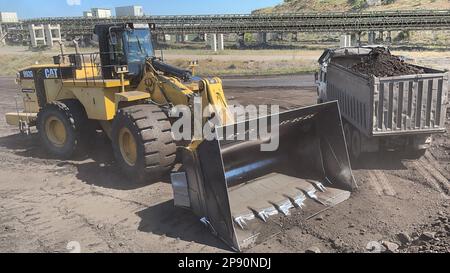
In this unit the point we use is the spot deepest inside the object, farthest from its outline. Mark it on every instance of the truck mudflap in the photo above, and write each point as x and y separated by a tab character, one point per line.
244	194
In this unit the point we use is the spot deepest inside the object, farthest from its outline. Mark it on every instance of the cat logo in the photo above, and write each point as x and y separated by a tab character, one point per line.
51	73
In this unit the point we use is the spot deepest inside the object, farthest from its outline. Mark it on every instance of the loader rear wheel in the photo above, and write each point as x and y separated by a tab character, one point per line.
142	142
61	126
55	131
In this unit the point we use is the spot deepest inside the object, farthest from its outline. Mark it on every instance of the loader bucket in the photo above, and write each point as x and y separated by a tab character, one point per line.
243	193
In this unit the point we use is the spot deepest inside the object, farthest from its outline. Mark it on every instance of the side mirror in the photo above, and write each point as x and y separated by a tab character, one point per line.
316	76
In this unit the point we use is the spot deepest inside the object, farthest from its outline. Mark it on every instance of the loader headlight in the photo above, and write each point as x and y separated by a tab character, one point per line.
121	69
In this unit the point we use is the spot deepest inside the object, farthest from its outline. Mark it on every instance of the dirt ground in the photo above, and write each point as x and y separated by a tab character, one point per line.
47	203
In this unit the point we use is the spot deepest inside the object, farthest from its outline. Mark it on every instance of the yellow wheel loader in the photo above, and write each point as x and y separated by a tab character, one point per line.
238	190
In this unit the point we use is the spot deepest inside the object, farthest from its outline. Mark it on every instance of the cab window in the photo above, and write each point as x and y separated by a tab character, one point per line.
139	45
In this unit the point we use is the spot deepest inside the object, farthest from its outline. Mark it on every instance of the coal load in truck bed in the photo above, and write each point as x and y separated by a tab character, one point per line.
381	63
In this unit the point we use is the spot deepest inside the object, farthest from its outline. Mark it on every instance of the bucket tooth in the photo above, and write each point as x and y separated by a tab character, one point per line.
284	206
242	220
310	190
264	214
313	195
328	181
319	186
297	199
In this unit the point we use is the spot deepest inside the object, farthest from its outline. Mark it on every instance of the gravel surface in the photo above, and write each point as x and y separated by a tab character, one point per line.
46	203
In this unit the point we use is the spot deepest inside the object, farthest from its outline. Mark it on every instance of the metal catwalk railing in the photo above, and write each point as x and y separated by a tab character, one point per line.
295	22
86	68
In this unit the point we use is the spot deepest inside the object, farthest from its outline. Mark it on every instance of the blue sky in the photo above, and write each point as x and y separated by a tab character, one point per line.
47	8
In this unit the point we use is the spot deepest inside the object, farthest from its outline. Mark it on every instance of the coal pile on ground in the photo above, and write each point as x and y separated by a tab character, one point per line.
381	63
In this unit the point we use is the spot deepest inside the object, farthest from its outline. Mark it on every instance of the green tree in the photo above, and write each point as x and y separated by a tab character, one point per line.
248	38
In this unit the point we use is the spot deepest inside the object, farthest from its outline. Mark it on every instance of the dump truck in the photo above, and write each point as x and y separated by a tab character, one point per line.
234	187
385	112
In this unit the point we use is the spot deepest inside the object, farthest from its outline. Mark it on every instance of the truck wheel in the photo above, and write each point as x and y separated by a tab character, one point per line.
142	142
356	145
60	125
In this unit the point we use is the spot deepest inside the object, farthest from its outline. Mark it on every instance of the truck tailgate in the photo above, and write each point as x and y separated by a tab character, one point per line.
410	104
397	105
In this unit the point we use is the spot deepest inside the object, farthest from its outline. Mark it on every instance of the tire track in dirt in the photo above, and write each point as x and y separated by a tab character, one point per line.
50	224
58	214
58	210
431	159
11	161
380	183
374	183
434	176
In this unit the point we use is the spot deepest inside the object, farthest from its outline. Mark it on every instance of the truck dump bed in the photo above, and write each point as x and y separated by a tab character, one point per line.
380	106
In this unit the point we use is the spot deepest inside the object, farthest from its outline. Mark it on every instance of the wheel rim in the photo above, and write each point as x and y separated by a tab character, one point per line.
56	131
128	147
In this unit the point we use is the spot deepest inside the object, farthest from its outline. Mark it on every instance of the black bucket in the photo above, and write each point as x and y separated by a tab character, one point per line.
240	191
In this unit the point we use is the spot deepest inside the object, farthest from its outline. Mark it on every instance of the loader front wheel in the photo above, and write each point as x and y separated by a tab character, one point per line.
61	126
142	142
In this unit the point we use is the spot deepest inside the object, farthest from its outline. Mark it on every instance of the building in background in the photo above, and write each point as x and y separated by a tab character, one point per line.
8	17
87	14
130	11
101	13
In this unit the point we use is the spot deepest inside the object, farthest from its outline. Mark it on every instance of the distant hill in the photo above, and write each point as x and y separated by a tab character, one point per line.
296	6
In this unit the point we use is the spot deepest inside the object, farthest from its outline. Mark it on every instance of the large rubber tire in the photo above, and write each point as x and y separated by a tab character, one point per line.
61	126
147	131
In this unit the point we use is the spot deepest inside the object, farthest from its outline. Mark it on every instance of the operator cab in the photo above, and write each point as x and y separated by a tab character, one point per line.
124	45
